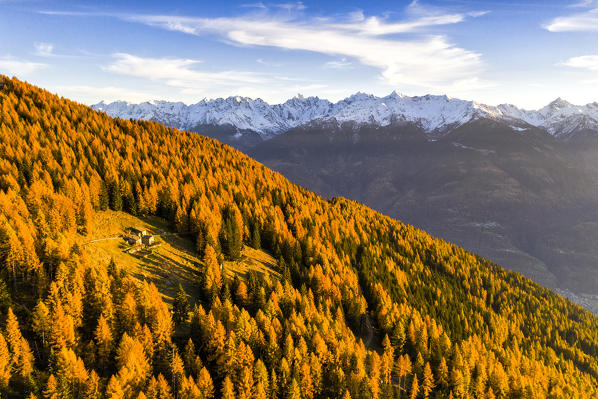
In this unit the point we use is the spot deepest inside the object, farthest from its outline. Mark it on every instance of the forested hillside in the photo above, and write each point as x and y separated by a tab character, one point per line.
446	323
525	200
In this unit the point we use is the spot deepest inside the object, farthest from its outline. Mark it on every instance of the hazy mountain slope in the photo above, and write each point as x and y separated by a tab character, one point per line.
456	324
505	194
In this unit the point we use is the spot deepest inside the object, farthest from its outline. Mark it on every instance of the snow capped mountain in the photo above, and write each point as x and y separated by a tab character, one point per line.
242	113
434	114
300	110
431	113
559	118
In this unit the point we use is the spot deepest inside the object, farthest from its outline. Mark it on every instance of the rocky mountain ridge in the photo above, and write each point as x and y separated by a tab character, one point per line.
435	115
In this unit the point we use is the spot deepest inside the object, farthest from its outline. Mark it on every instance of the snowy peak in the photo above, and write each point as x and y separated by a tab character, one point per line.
559	118
435	114
242	113
299	110
558	104
431	113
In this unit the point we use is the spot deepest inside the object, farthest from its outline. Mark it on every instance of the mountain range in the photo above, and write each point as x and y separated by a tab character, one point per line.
518	187
435	115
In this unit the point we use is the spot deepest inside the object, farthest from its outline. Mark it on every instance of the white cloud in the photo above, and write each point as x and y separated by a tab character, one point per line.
183	81
586	3
44	49
177	72
376	26
429	61
477	14
259	4
14	66
589	62
579	22
402	50
418	10
297	6
339	64
269	63
421	16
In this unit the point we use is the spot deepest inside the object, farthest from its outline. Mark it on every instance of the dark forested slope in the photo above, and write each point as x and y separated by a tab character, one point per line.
446	323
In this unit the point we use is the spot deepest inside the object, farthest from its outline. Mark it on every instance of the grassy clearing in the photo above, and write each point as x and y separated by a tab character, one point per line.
251	259
170	262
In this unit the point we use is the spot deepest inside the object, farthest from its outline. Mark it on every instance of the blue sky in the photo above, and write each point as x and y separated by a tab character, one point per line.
526	53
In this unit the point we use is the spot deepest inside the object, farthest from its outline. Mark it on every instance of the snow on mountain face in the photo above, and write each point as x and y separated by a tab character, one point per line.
432	113
559	118
240	112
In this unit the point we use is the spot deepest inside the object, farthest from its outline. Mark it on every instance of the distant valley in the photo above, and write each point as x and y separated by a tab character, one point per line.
527	201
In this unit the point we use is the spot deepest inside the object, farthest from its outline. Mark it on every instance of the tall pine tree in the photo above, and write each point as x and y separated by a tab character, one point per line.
180	307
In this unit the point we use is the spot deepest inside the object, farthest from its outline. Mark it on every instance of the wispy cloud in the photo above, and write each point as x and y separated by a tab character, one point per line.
183	80
376	26
44	49
269	63
424	60
297	6
417	9
259	4
338	64
588	62
579	22
82	13
15	66
402	50
586	3
177	72
419	17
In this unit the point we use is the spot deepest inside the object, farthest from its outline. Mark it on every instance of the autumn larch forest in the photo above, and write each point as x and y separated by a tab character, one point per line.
360	306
